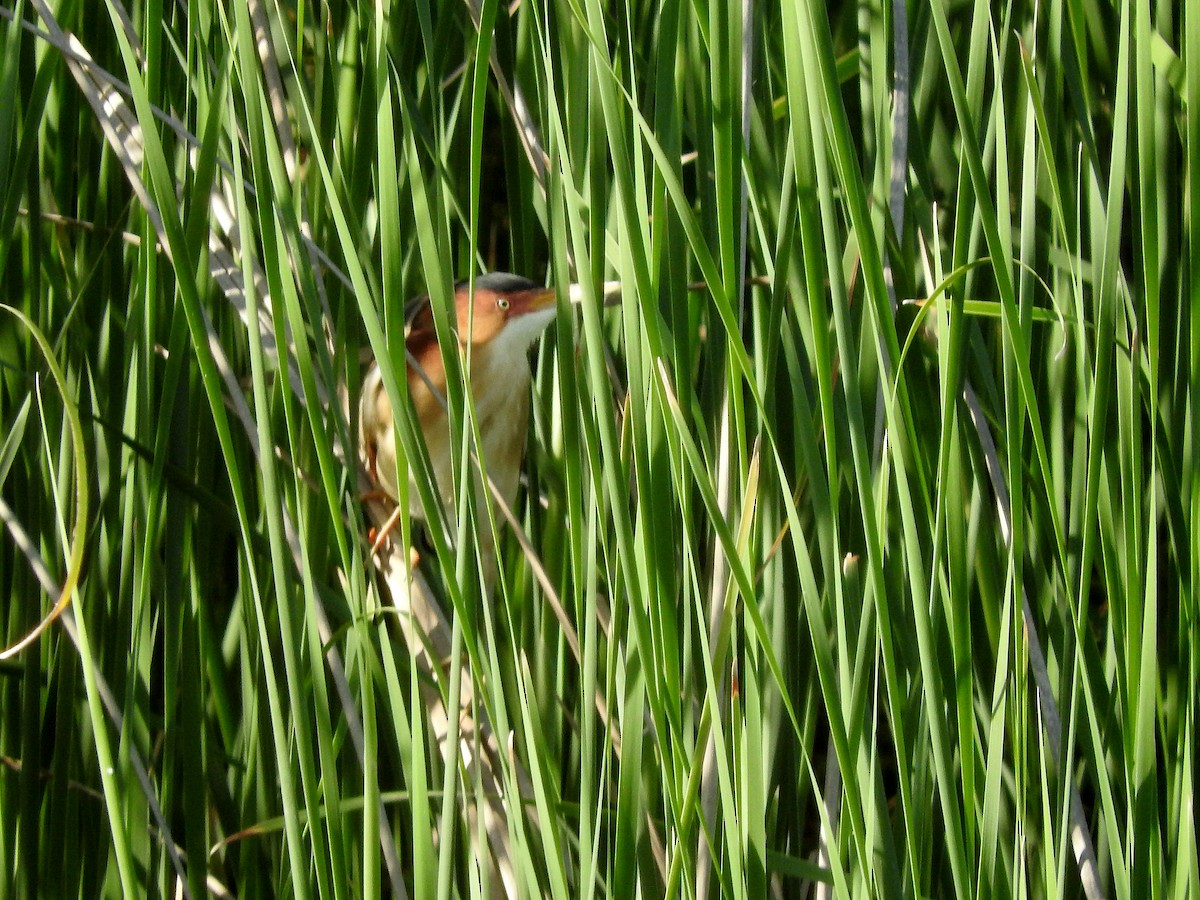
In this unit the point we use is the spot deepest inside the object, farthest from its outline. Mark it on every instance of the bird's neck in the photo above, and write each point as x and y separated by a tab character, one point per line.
499	371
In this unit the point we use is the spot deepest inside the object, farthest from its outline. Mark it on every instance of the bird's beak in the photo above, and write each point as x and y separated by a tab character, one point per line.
531	311
532	301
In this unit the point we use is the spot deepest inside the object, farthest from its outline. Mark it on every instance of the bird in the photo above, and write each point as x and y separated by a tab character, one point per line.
501	320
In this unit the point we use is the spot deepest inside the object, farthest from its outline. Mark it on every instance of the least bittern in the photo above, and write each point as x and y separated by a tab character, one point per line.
505	315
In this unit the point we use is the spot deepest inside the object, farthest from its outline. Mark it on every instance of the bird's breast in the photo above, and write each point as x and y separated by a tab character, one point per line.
500	391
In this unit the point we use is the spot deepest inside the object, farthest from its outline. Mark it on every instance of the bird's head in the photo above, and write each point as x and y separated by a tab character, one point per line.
507	312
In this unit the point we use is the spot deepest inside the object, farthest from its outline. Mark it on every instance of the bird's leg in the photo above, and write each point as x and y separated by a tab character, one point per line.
378	538
385	531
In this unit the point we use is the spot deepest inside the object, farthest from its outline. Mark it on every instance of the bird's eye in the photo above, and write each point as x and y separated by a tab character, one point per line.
502	303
